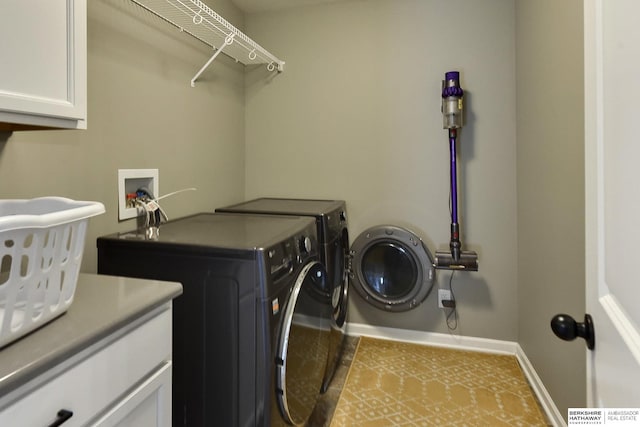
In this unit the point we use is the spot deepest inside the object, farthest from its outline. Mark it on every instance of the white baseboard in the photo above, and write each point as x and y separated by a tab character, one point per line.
544	398
466	343
432	338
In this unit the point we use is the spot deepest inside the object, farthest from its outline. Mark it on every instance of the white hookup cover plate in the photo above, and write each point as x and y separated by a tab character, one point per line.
129	180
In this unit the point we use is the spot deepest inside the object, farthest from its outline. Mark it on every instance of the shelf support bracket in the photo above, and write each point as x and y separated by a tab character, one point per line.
227	41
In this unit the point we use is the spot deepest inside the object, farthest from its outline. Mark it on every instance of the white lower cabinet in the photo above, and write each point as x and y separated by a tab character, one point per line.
124	380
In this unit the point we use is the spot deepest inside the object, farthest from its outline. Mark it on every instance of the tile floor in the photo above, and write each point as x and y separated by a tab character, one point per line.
478	388
326	406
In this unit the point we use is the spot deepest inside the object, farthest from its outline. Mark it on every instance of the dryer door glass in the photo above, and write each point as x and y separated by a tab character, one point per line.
389	270
303	346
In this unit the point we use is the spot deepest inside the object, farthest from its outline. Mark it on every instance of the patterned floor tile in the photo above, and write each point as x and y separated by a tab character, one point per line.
399	384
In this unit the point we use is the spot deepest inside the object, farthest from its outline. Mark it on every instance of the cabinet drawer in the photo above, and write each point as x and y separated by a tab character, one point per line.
95	383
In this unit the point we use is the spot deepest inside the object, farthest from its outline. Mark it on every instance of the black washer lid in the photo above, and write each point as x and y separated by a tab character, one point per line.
220	231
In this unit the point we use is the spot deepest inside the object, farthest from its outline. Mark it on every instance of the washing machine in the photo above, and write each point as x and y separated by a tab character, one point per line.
250	340
333	236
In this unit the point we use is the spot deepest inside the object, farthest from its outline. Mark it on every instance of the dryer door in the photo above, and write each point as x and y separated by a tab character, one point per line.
392	269
303	346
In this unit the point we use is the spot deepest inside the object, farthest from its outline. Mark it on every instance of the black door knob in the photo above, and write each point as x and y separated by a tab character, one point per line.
566	328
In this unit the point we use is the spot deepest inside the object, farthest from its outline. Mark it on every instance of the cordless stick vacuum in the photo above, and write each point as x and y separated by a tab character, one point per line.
456	259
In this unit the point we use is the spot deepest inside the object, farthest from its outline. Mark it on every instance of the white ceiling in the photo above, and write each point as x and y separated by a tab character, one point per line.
253	6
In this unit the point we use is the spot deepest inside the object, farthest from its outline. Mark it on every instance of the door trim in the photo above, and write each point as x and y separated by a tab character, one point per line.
622	323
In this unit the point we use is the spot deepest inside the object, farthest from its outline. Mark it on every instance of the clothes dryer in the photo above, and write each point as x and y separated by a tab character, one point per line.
333	237
250	340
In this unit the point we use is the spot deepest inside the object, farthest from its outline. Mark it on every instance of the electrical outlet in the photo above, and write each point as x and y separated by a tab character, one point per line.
443	294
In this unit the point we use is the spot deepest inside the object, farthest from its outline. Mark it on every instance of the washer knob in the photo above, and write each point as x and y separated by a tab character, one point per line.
305	245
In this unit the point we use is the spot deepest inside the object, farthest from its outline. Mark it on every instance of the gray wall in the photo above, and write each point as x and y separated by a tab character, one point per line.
550	165
356	116
359	98
142	113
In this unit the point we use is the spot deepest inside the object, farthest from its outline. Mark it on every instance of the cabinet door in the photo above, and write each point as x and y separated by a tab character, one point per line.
43	72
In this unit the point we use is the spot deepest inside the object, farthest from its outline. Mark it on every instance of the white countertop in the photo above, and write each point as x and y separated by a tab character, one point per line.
102	305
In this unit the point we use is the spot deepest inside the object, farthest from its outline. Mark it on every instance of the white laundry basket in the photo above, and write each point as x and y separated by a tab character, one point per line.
41	246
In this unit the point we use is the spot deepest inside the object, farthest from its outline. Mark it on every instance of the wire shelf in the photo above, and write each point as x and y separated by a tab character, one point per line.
200	21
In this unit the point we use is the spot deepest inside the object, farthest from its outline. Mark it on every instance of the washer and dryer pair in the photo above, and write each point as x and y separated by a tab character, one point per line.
390	266
258	330
251	330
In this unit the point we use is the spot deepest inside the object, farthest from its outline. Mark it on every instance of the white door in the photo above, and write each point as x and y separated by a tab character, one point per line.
612	115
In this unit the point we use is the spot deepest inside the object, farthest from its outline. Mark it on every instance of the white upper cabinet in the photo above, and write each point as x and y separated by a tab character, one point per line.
43	76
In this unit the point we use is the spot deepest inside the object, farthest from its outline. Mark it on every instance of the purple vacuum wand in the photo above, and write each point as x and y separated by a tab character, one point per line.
456	258
454	244
452	95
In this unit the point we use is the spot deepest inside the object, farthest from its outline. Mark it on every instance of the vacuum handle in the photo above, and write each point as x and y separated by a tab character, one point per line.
452	104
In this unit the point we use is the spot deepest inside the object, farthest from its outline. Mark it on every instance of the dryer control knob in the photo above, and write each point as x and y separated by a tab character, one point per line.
305	245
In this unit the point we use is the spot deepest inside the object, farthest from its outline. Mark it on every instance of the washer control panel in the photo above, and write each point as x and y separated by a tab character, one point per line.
283	258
